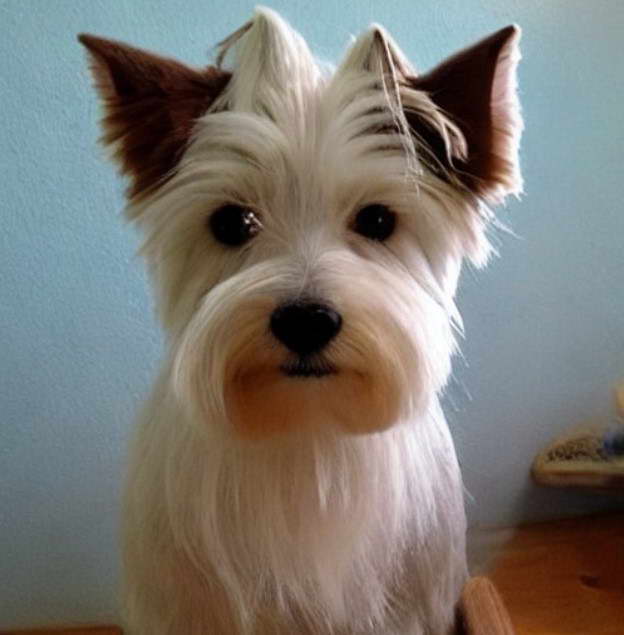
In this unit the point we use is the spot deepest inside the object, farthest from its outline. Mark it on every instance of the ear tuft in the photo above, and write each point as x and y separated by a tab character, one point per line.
270	63
476	89
151	104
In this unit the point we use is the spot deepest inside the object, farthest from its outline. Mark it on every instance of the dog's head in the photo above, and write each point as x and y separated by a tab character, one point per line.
306	228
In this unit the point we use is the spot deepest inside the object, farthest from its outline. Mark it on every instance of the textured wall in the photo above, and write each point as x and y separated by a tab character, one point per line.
545	324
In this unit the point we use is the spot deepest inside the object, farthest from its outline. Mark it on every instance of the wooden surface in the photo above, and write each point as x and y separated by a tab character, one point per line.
561	578
96	630
482	611
565	578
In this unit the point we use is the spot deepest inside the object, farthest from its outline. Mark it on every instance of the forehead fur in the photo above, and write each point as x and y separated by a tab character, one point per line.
274	72
281	109
273	102
275	76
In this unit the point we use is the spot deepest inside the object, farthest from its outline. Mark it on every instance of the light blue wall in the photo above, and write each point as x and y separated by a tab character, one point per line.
545	324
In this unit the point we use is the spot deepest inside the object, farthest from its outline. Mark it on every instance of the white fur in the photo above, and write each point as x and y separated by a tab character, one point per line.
349	519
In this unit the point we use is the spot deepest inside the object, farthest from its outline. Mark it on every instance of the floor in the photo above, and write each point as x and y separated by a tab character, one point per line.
95	630
561	578
565	578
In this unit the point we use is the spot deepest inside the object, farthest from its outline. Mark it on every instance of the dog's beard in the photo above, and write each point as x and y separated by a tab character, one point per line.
392	355
299	496
316	523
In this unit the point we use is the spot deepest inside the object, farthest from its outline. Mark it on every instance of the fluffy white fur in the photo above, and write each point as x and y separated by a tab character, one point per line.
261	504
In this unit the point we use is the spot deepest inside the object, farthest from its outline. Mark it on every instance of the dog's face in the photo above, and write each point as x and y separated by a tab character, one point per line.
306	230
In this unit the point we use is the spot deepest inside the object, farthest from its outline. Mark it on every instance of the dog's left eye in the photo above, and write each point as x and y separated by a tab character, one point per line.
376	222
233	225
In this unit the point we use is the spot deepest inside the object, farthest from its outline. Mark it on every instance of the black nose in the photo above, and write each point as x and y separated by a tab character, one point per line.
305	327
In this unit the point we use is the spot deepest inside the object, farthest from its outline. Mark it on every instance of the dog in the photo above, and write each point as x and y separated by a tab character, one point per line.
304	229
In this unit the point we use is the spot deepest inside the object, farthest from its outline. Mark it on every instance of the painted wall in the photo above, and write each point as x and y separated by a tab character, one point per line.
545	324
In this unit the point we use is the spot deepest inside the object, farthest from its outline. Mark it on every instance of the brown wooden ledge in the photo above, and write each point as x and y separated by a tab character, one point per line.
92	630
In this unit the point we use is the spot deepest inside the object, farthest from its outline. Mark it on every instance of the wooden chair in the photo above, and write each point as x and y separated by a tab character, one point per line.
481	610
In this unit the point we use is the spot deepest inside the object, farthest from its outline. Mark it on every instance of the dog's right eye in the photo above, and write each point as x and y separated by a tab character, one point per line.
233	225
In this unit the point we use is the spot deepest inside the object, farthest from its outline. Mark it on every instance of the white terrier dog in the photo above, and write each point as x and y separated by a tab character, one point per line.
293	472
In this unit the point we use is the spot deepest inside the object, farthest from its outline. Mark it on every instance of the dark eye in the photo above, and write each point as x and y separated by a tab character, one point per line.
376	222
233	225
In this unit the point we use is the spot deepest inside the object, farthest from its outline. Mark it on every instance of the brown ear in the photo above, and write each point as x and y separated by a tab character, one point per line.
476	89
151	105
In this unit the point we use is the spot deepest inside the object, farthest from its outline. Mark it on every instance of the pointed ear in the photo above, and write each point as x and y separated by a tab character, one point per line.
476	89
151	104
